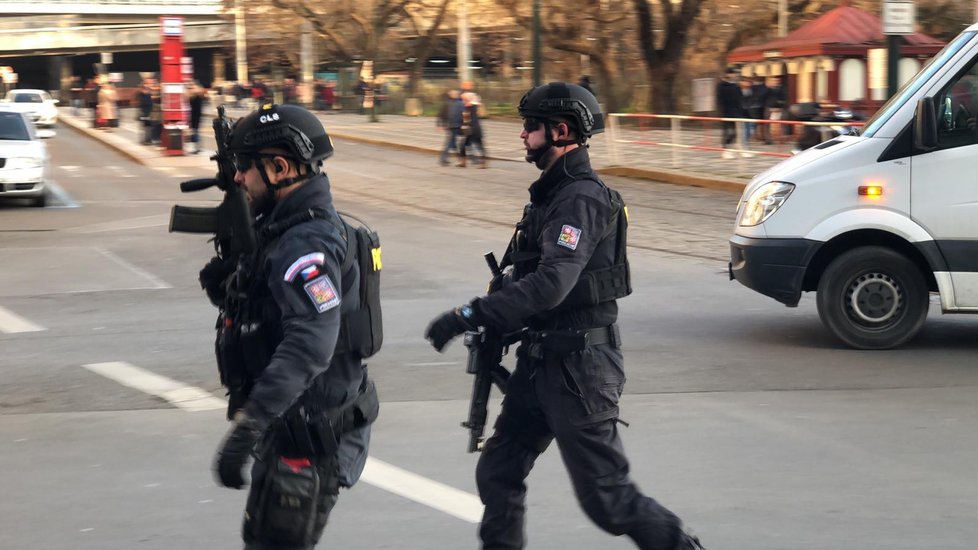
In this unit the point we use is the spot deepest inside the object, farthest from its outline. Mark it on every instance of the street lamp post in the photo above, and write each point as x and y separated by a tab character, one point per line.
537	62
464	45
241	45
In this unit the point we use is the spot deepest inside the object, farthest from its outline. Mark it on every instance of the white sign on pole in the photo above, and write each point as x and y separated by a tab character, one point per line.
106	58
704	95
172	26
878	82
899	16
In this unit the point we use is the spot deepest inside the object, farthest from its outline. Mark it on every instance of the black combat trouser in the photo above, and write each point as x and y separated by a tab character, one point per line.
270	526
572	398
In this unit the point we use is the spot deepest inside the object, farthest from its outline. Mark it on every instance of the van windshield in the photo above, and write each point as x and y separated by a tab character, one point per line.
914	84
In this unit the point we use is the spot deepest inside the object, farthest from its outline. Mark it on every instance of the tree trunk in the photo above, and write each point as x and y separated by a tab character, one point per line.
423	51
607	70
662	77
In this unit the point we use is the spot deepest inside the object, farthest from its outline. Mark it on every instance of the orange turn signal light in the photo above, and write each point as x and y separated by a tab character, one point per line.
871	190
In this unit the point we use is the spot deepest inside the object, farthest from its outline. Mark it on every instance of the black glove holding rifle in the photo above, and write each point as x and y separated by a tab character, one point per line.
486	349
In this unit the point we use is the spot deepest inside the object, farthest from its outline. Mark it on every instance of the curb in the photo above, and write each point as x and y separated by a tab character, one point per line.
118	144
677	178
145	158
400	146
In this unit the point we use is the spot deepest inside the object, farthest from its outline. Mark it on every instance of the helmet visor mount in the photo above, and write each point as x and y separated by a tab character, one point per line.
287	136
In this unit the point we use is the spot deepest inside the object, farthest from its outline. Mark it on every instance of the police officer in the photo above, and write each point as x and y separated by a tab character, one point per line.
568	267
298	400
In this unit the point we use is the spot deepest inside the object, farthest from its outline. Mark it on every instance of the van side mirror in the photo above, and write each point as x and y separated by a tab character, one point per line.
925	125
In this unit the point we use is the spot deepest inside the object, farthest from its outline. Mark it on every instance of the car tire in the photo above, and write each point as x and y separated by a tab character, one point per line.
40	201
873	297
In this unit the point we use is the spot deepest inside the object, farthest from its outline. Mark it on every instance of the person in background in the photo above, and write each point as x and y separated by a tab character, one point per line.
471	130
729	104
144	105
197	97
450	118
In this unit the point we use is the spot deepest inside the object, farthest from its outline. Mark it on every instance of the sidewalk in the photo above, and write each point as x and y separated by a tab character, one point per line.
642	160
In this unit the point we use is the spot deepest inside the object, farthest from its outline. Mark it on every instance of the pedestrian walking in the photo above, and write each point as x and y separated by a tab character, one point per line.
450	119
144	106
471	130
730	105
107	111
197	97
565	269
299	396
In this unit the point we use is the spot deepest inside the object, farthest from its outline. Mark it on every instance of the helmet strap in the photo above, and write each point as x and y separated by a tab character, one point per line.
273	187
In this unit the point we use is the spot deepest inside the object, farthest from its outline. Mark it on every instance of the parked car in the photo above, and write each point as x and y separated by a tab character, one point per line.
38	105
24	158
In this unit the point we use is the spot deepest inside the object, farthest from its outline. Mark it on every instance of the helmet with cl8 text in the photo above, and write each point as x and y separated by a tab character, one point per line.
289	127
562	99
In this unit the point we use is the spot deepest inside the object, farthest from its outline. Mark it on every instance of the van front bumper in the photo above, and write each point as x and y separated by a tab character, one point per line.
773	267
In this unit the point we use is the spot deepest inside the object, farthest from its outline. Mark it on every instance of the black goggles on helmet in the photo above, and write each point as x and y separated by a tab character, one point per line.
244	161
532	124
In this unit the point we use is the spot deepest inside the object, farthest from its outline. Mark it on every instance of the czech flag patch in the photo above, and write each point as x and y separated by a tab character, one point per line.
569	236
322	293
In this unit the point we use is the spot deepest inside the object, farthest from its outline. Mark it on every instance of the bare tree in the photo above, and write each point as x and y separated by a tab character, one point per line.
663	63
585	27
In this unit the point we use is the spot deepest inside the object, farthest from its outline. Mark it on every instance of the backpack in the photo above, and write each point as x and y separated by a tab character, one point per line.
362	331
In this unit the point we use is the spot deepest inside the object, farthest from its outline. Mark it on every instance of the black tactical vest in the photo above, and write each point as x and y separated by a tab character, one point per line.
601	280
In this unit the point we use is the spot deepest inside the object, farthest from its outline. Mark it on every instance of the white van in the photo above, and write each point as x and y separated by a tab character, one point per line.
873	223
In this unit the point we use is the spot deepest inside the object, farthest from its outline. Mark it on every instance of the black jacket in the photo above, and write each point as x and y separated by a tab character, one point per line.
569	213
730	100
300	293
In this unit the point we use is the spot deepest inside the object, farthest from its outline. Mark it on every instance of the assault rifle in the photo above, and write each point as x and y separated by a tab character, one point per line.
229	222
486	350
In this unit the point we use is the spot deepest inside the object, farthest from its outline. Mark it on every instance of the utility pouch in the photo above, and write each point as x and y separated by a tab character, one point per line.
287	506
355	414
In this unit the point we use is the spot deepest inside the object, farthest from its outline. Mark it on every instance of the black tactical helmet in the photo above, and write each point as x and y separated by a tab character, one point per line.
566	100
289	127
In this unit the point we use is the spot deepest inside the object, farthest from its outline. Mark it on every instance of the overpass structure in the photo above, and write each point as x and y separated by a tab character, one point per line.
49	42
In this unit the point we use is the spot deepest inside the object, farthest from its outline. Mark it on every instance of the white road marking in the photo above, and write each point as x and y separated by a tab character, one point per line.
188	398
11	323
160	220
141	272
121	172
441	497
380	474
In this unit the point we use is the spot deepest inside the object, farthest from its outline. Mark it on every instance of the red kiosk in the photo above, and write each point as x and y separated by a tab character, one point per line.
172	84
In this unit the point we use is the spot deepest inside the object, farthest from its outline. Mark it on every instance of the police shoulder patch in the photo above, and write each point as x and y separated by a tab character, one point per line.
303	264
569	236
322	293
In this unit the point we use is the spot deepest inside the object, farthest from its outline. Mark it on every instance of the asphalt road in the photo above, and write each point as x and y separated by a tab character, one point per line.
746	417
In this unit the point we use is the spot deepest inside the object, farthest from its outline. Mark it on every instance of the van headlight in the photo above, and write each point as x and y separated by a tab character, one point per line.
763	202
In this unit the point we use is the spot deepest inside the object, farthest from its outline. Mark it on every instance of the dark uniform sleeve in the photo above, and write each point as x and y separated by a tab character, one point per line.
572	228
304	278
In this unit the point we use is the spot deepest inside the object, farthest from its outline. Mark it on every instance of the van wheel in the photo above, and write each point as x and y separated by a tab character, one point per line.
873	297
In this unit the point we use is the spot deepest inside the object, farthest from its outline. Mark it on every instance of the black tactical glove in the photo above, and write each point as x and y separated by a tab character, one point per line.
448	325
213	276
232	456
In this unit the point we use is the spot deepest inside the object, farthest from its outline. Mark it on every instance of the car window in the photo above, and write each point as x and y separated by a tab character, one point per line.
28	98
957	111
12	127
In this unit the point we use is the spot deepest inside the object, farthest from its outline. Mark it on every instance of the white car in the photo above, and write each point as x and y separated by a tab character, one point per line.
38	105
23	158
